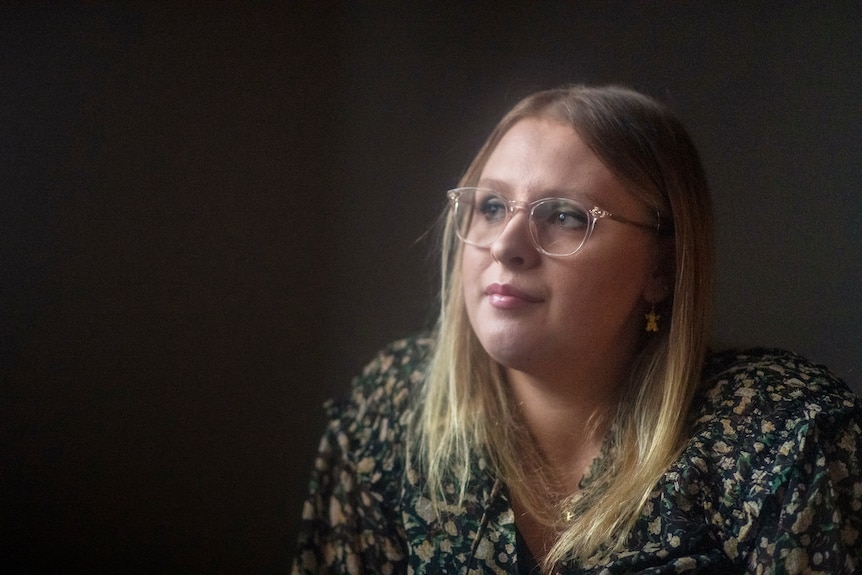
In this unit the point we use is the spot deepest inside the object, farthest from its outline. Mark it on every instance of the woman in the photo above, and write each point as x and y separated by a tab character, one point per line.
566	415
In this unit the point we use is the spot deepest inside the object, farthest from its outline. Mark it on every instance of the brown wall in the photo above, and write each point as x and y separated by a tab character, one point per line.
212	217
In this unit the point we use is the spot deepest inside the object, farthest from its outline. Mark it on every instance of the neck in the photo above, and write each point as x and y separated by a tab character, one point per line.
567	419
568	424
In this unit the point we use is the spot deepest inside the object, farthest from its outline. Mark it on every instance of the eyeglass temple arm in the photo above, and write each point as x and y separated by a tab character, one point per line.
656	227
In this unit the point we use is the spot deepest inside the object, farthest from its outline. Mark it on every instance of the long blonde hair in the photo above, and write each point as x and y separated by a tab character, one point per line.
465	392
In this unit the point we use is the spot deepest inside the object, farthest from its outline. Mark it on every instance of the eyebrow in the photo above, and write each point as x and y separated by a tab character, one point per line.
573	194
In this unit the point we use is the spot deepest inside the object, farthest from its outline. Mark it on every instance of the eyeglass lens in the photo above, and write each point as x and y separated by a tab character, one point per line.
558	226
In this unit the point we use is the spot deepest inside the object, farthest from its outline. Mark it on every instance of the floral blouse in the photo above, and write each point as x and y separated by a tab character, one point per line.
770	482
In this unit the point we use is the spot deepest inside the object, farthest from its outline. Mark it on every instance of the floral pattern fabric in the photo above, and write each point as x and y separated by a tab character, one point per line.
769	482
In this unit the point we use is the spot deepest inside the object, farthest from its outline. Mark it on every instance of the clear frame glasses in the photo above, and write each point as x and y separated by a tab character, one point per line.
558	226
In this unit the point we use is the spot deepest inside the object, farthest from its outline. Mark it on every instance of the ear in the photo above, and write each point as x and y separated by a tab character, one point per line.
660	284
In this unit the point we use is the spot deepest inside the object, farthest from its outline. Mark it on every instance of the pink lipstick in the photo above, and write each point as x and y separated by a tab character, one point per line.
505	296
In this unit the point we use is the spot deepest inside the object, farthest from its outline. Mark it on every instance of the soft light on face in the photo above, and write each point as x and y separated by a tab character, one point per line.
554	317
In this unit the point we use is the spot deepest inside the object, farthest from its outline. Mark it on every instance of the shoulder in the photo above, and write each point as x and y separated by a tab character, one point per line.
380	399
387	382
766	411
763	412
355	485
752	383
365	433
776	458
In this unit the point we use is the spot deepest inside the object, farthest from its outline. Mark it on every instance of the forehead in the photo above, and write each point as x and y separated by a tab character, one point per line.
539	157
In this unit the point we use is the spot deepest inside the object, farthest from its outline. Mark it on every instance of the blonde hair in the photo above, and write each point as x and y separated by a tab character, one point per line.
465	393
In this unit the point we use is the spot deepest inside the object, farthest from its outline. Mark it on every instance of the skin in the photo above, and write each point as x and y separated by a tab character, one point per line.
568	334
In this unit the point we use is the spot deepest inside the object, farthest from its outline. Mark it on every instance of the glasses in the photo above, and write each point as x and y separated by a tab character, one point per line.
558	226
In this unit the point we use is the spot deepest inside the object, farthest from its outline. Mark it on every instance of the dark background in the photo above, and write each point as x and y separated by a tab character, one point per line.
213	216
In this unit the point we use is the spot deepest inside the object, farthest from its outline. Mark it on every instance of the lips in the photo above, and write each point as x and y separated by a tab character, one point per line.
505	295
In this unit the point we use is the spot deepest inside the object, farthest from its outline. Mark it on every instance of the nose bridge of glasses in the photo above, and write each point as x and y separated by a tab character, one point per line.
515	205
507	231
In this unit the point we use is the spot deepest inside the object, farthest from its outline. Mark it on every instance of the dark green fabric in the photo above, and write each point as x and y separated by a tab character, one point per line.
769	482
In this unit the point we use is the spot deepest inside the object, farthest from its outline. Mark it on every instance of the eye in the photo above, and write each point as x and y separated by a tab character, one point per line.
561	214
492	208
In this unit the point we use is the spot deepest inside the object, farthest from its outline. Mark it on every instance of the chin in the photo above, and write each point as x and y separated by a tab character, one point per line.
512	353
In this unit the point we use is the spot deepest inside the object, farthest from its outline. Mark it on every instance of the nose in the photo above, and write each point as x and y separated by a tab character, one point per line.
514	246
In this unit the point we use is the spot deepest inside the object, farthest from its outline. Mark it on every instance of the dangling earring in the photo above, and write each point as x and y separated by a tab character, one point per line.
652	320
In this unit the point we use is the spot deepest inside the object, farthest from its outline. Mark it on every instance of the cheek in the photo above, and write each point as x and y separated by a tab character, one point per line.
603	288
626	281
472	264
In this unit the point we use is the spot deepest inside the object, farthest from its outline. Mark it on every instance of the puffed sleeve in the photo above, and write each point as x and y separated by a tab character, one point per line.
787	447
351	518
815	525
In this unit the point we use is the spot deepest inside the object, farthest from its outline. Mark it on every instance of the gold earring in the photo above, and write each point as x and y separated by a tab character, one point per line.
652	320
